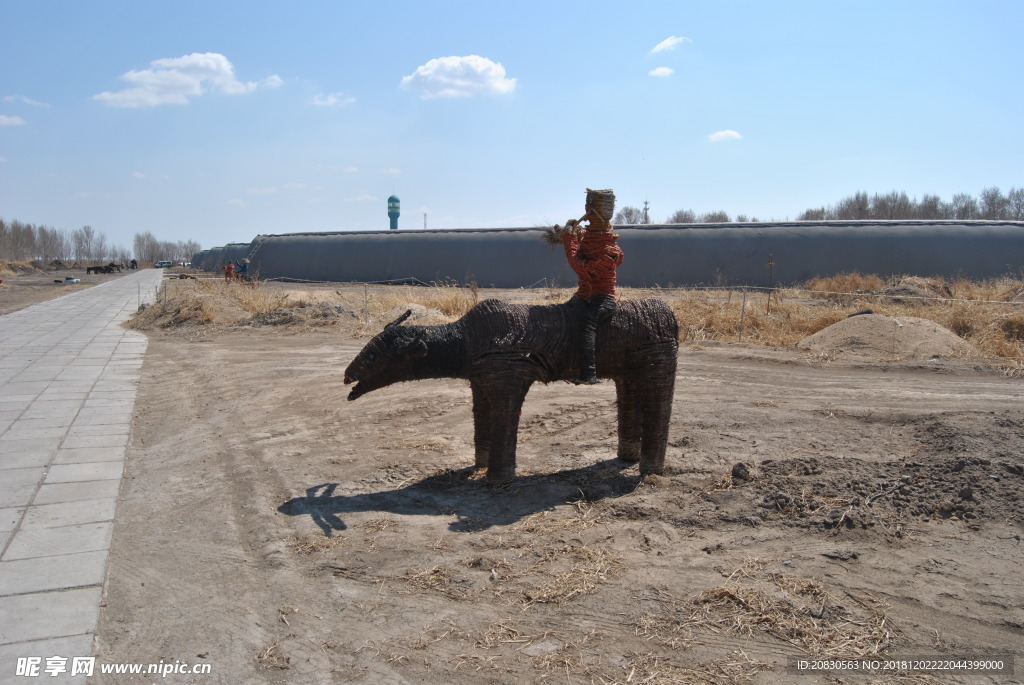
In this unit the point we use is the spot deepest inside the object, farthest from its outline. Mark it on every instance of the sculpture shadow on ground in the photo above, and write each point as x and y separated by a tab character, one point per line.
475	505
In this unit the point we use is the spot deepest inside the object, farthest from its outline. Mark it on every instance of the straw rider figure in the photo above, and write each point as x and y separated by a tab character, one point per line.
594	254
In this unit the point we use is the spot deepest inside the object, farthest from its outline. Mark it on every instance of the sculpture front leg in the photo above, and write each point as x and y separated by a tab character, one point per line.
481	425
506	404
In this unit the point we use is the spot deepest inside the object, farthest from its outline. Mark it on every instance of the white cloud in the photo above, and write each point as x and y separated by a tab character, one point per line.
24	100
2	160
138	174
392	170
332	99
351	170
272	81
173	81
453	77
719	136
236	203
670	43
261	191
661	71
294	186
361	198
11	121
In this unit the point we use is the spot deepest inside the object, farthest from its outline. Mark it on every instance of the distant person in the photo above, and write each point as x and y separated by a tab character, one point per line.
243	269
229	272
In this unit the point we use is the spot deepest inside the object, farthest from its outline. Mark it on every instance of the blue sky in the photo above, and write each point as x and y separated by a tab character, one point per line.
216	121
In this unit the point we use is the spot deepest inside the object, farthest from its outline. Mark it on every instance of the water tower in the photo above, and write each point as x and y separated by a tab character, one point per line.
393	211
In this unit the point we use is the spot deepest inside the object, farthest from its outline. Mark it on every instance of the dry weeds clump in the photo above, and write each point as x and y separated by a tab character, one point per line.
844	284
800	611
988	314
201	302
449	298
721	315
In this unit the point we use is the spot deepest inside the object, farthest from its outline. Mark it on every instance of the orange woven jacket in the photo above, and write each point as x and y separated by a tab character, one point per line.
594	257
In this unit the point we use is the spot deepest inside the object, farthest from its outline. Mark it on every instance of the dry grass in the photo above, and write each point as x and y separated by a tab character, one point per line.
844	283
308	546
988	314
271	657
250	297
443	444
589	567
448	298
800	611
437	579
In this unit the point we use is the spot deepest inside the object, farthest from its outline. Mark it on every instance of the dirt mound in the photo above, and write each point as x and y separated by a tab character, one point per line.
305	314
880	338
34	266
913	289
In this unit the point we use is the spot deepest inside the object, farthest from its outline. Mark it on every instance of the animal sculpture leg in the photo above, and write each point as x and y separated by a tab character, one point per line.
656	391
506	404
630	427
481	425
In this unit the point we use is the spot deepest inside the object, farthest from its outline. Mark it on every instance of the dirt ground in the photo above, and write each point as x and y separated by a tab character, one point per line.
273	530
20	290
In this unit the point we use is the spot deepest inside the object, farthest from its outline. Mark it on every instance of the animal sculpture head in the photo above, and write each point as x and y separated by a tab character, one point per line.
389	358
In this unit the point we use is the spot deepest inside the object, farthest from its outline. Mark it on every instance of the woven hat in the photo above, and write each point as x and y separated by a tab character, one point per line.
601	203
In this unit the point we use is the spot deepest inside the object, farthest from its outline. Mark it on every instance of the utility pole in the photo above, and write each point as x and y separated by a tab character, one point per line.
647	216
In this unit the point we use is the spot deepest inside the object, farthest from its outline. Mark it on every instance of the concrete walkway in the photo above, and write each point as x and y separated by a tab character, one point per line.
68	379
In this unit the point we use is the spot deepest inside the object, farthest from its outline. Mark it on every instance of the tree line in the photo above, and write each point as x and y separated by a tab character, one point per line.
991	204
21	241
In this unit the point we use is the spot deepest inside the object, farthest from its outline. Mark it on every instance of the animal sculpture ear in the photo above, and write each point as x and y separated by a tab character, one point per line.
418	347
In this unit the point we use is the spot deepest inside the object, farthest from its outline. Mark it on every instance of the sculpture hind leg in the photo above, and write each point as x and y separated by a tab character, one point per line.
657	387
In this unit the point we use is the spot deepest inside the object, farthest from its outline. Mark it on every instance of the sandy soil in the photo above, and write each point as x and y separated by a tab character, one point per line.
281	534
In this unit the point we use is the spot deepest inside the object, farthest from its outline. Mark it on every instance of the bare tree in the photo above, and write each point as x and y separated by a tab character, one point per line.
53	244
857	207
812	215
629	215
893	205
1015	204
964	207
189	249
682	216
146	247
83	241
931	207
994	206
717	217
119	253
22	243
